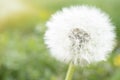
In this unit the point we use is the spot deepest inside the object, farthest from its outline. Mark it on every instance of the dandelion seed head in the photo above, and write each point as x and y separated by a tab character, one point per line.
80	34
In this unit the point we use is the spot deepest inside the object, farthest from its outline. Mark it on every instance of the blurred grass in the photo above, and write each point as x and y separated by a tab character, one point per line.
23	54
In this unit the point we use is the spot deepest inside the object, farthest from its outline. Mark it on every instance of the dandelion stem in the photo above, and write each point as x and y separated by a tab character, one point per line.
70	72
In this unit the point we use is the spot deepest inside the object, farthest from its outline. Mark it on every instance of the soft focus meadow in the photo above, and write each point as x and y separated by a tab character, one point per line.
23	54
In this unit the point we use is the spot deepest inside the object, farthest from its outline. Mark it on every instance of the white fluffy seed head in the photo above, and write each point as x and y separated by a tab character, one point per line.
80	34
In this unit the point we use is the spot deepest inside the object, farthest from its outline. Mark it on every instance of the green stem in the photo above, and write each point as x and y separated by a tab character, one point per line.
70	72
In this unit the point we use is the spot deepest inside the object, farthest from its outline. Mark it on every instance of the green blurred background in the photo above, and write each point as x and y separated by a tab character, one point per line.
23	54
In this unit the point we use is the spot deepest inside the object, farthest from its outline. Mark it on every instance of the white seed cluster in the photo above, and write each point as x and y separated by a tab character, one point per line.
79	39
81	35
